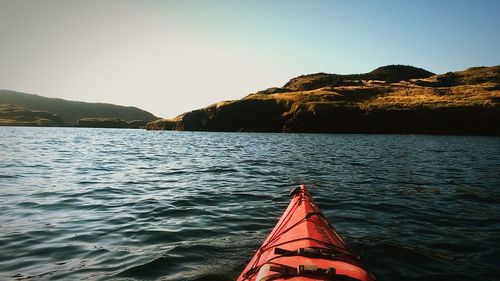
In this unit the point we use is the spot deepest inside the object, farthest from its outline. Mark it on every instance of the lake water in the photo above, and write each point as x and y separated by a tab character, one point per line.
147	205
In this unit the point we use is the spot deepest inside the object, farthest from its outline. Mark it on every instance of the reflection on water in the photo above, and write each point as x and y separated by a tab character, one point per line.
132	204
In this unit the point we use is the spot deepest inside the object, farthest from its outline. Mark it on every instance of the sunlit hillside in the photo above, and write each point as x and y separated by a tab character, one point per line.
416	102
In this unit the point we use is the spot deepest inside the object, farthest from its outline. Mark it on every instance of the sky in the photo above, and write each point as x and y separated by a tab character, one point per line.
169	57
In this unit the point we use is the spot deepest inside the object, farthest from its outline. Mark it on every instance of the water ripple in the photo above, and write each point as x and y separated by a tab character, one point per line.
94	204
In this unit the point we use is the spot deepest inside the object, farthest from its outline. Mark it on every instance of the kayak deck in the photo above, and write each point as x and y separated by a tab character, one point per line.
303	246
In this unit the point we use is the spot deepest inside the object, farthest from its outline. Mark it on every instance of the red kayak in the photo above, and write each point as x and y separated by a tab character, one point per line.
303	246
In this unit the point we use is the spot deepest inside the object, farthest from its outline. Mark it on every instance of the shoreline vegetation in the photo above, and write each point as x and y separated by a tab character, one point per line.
394	99
13	115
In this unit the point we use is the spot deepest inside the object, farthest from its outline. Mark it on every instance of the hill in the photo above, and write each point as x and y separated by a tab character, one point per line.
71	111
464	102
13	115
389	73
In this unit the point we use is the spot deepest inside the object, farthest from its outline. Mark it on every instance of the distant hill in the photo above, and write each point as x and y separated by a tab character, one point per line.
395	73
388	73
71	111
13	115
390	99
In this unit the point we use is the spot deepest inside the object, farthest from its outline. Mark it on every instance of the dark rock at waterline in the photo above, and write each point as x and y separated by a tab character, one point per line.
244	115
471	120
110	123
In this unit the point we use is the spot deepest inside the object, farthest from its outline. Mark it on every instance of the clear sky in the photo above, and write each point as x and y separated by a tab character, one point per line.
169	57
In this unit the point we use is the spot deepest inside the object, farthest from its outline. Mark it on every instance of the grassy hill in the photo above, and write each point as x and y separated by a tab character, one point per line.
389	73
409	100
13	115
71	111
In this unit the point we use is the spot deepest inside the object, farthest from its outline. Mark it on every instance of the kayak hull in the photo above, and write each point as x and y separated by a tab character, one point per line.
303	246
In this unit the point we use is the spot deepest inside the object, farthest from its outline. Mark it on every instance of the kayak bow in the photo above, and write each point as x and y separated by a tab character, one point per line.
304	246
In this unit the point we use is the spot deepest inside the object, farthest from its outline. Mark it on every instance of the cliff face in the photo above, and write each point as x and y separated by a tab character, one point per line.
410	100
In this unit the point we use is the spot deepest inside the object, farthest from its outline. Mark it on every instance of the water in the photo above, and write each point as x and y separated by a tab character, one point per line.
139	205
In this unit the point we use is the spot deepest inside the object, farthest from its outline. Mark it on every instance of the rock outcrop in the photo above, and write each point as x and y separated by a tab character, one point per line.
391	99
